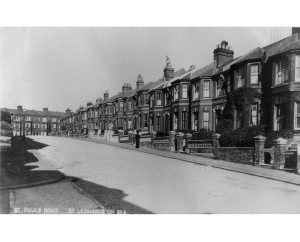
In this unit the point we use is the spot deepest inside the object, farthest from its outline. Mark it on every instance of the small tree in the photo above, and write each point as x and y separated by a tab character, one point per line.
5	116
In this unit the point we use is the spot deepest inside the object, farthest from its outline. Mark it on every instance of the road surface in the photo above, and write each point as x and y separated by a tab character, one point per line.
143	183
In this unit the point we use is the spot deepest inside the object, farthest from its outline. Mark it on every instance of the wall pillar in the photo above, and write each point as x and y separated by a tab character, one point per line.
172	140
216	145
121	132
259	150
279	157
153	135
179	142
188	137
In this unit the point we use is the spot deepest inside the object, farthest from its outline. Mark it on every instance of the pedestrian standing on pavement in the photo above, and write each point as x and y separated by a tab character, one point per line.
137	139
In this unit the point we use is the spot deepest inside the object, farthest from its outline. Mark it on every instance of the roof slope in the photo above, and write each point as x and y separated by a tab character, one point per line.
35	112
207	70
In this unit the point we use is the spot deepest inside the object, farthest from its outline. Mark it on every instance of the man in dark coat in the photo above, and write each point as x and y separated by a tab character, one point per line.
137	139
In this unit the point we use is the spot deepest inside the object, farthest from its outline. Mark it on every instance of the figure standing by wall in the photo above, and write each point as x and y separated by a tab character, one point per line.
137	139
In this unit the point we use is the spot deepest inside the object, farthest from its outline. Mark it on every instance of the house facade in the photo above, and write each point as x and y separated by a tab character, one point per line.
195	99
35	122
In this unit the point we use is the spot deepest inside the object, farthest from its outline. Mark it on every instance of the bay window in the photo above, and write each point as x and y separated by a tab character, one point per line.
196	91
297	71
195	120
184	120
254	74
254	114
280	115
297	115
175	121
205	122
184	90
281	71
146	120
239	78
206	85
158	123
175	93
218	89
158	99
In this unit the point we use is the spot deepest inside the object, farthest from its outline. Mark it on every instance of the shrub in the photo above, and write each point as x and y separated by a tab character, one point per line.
242	137
202	134
271	136
5	129
228	139
223	126
5	116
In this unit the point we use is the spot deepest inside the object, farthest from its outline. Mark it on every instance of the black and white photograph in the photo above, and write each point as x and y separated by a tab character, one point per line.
171	120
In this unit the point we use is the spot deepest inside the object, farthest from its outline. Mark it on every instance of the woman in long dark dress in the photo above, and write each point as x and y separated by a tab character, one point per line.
137	140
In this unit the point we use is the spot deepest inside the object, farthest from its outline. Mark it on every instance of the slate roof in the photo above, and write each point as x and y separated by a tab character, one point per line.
162	83
36	112
290	43
252	55
207	70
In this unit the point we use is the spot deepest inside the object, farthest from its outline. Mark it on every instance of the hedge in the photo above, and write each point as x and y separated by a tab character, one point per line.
223	126
271	136
242	137
202	134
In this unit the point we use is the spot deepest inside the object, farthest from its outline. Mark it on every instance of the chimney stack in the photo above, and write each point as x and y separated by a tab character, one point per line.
139	82
45	110
223	54
106	96
19	107
68	111
169	70
89	104
126	87
295	30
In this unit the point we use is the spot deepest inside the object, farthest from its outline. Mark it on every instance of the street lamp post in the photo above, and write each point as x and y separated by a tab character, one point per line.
12	129
23	114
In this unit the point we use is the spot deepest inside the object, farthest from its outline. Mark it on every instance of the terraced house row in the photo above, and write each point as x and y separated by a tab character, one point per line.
34	122
195	98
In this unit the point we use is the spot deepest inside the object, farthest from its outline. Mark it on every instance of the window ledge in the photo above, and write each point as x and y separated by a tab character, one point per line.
280	84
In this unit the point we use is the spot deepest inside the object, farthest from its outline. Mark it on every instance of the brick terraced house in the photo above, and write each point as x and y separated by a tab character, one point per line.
195	99
35	122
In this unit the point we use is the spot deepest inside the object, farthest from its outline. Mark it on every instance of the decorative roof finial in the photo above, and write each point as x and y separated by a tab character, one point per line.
168	62
140	77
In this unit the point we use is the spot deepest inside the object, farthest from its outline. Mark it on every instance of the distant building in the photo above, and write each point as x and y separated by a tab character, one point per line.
36	122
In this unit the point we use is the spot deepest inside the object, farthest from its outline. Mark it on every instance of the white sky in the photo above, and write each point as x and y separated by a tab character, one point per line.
58	67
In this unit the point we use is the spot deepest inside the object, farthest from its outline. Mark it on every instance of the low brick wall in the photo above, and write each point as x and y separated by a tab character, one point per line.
145	140
162	143
124	139
200	146
237	154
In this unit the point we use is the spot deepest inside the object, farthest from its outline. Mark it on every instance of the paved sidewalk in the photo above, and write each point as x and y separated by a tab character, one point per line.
235	167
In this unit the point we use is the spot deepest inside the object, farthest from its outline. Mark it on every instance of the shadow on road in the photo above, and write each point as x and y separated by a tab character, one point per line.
14	171
112	199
